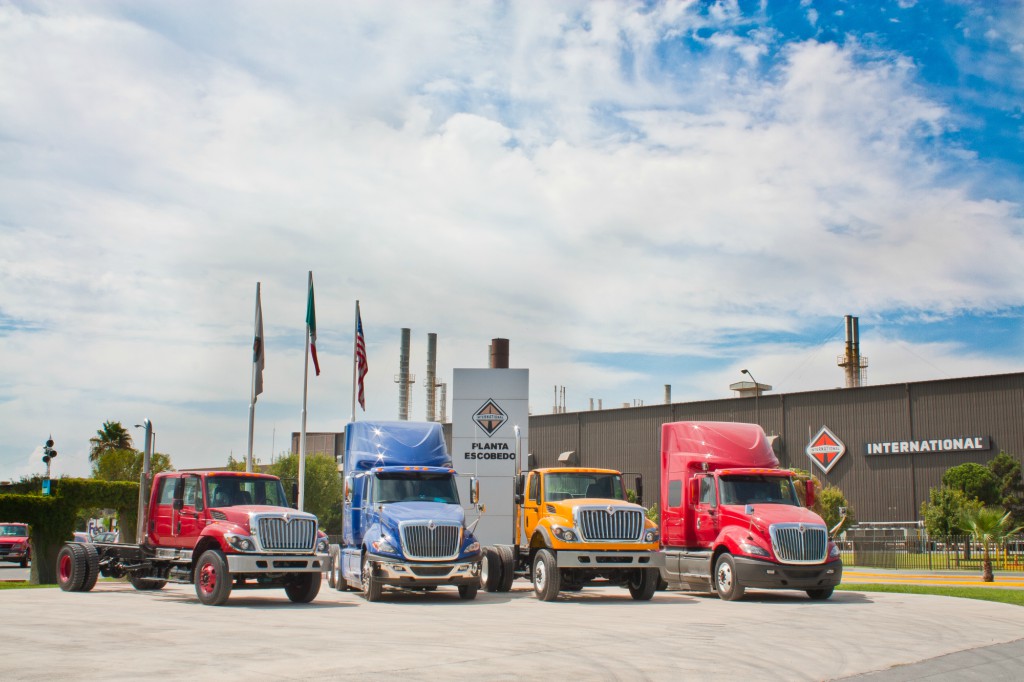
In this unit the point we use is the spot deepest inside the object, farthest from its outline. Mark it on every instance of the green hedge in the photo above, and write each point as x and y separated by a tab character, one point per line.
52	518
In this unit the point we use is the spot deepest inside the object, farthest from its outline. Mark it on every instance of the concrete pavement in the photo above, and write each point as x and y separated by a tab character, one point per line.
117	633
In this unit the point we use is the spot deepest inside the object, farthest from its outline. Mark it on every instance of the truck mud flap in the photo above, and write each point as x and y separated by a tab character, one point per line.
599	560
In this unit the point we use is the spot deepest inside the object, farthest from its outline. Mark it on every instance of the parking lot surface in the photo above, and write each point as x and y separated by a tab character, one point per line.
117	633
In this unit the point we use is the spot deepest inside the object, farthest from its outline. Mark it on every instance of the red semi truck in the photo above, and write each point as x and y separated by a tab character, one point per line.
732	519
219	530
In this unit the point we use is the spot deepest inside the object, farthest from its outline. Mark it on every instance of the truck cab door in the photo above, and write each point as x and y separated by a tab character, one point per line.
191	518
706	511
161	511
531	508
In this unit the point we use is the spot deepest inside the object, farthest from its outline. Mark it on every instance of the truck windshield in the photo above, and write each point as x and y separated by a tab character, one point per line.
229	491
388	488
580	485
757	489
16	531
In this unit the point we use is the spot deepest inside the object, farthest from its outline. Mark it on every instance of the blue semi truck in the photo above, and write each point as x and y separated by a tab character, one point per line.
403	524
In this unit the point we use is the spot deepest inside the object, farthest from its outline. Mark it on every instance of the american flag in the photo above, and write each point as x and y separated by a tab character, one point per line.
362	367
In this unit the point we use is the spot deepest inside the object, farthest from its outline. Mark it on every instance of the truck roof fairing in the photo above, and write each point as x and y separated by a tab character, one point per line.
720	444
398	443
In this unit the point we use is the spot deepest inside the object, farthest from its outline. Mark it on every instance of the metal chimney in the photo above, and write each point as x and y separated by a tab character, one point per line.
444	401
668	394
431	381
403	376
851	361
499	354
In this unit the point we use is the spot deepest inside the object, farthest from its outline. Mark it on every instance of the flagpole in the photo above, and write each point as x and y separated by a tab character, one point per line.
305	382
252	389
355	361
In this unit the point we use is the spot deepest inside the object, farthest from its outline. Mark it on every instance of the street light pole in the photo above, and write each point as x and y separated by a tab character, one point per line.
757	393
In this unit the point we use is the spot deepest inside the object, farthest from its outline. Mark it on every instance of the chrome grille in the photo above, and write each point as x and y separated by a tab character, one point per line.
293	535
621	525
799	543
430	540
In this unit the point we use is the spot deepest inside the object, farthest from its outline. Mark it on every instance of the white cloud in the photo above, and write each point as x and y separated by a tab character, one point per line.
535	171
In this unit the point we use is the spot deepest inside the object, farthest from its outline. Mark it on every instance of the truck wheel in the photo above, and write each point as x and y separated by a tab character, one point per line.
143	584
820	594
490	570
643	583
508	567
372	589
72	568
92	564
302	588
546	578
24	562
468	592
726	584
213	580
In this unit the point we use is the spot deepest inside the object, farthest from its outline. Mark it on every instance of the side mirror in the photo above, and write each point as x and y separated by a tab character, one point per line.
348	490
178	504
179	494
295	495
518	498
520	486
474	490
694	490
809	495
640	490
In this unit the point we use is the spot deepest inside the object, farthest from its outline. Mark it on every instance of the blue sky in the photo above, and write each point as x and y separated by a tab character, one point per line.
635	194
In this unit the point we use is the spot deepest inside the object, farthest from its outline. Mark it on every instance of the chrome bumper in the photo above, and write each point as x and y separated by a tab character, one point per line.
393	572
278	563
609	559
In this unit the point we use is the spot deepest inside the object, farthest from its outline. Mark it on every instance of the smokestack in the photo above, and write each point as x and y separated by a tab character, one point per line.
403	376
851	361
431	374
668	394
444	401
499	354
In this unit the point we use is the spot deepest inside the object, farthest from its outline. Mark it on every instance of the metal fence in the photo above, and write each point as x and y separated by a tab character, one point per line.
912	548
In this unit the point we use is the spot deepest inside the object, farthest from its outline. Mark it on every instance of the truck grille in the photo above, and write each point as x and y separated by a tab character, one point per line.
294	535
430	540
621	525
799	543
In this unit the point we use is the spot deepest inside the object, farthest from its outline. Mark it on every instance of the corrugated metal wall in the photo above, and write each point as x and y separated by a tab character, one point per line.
880	488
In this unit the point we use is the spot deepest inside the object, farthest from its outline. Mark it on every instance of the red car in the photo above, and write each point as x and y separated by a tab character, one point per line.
14	543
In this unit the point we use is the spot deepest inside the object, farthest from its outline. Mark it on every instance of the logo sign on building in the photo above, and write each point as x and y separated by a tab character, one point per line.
490	417
904	447
825	449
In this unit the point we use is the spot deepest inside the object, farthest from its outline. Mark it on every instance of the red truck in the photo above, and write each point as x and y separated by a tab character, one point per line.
219	530
732	519
15	544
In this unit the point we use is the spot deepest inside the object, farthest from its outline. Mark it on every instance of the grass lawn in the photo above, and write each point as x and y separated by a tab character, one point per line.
19	585
982	593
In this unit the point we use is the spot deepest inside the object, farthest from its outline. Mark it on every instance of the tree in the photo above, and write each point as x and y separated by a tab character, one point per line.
975	480
235	464
323	486
112	436
126	465
829	501
1010	486
987	525
943	511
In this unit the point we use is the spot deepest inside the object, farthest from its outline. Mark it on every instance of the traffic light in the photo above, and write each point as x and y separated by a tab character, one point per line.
48	451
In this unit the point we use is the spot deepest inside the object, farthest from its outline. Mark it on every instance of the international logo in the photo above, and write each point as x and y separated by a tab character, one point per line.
490	417
825	449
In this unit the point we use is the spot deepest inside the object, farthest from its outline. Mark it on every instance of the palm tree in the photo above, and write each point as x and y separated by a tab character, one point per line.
112	436
987	525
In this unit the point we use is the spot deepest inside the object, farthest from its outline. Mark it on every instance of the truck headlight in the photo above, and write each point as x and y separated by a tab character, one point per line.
322	546
753	550
833	551
651	535
241	543
384	545
564	534
472	548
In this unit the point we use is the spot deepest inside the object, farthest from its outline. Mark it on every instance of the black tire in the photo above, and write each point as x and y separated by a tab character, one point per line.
547	581
508	567
92	562
332	575
213	579
821	594
372	589
302	588
643	583
725	581
490	570
340	584
468	592
142	583
72	568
